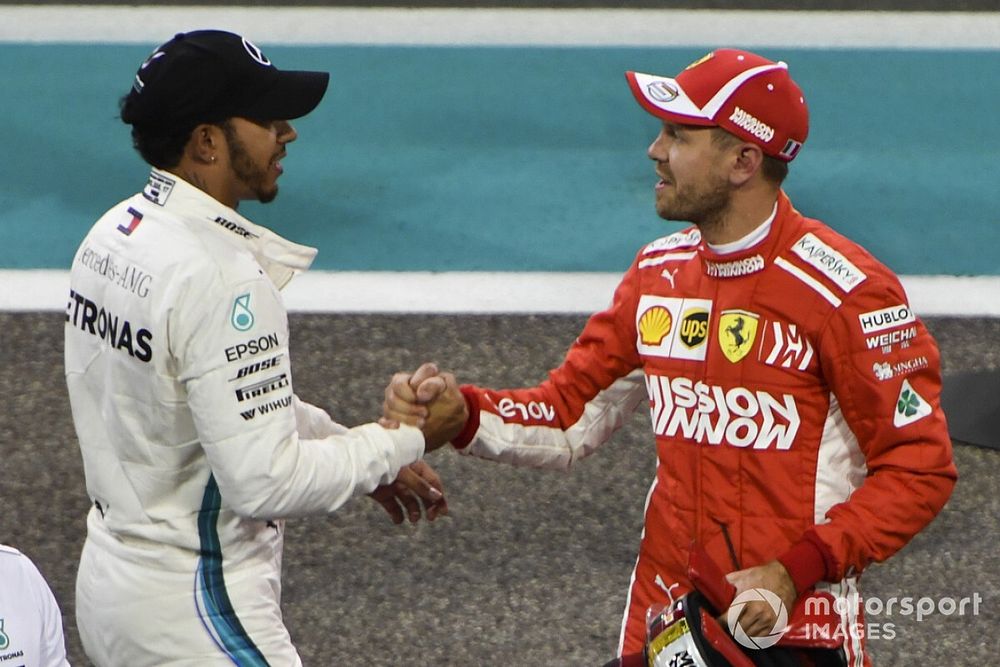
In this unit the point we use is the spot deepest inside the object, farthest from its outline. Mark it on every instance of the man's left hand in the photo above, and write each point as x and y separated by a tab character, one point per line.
417	484
758	618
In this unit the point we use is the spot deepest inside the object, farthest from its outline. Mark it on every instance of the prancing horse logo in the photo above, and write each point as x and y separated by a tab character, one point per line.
737	331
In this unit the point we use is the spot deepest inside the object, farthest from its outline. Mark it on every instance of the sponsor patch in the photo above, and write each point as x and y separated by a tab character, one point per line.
132	224
90	317
258	389
884	370
737	330
242	317
655	324
735	269
252	347
687	239
661	91
886	318
694	327
235	228
887	340
254	52
701	60
128	277
910	406
158	188
266	408
532	410
672	327
257	367
756	127
713	415
831	263
783	346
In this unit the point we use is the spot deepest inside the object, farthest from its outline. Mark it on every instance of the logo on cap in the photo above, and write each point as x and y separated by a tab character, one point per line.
791	149
661	91
255	52
139	83
701	60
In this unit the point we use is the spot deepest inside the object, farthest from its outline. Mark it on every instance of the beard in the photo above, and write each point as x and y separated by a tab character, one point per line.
705	205
249	173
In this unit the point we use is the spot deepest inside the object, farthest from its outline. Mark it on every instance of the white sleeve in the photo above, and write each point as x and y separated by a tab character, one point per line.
52	644
27	603
231	346
314	422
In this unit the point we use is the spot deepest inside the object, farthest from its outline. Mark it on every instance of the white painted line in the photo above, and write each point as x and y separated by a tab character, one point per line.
541	27
474	292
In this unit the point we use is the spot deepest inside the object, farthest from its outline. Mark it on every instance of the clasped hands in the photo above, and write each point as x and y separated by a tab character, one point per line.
432	402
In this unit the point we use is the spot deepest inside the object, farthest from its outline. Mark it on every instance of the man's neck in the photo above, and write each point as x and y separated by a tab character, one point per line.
745	213
209	179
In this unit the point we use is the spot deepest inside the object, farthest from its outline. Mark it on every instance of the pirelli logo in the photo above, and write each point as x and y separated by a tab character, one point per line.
261	388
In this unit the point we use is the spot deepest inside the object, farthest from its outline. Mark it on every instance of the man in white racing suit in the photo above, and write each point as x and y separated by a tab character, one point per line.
31	629
194	445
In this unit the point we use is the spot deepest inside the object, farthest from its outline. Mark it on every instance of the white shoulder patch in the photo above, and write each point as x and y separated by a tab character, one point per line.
830	263
688	239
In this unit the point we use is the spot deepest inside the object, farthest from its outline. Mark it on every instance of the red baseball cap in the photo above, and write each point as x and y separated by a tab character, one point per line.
745	94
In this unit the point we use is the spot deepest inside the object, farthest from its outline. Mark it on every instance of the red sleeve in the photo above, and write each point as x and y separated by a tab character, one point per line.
883	368
577	408
468	432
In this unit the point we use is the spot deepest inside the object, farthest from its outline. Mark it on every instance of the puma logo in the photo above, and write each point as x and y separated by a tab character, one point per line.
669	275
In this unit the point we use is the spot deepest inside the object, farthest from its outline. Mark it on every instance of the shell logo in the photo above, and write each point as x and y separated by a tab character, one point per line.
655	325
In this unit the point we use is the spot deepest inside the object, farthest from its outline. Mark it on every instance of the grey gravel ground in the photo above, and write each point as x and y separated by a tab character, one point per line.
531	567
796	5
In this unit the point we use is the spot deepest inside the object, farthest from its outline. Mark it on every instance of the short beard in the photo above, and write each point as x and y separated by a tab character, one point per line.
249	173
706	207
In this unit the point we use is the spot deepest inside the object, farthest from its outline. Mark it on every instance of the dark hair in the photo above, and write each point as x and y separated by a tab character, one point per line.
773	169
160	146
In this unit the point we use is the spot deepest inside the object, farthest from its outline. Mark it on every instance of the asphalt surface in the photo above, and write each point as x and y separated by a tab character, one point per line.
796	5
531	567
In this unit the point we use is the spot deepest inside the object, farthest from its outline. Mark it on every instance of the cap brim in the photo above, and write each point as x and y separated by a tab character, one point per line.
293	94
664	98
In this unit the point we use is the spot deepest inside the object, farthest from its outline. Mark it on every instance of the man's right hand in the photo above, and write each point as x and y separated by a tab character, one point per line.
428	400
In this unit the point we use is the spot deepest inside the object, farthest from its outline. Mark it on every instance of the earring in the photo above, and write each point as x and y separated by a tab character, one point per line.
213	158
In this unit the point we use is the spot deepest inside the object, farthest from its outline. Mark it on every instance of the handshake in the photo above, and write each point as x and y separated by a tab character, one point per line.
432	402
428	400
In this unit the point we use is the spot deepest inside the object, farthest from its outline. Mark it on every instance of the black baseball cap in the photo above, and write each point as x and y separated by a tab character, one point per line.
207	76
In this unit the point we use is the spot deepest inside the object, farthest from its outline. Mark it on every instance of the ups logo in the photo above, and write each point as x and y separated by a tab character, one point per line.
694	328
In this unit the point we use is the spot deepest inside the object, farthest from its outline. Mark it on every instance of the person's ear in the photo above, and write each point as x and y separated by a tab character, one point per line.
747	160
206	143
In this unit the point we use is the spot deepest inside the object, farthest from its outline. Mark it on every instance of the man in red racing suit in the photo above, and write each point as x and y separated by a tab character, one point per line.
793	395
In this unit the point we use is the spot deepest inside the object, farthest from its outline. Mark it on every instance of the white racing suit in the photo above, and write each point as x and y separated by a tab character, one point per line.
31	630
194	444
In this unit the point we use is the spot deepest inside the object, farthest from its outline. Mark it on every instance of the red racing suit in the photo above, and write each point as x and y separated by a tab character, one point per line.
794	399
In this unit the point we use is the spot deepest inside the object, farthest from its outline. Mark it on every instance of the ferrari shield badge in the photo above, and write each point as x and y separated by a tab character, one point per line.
737	331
